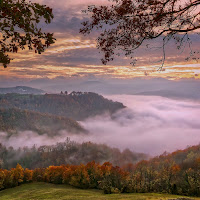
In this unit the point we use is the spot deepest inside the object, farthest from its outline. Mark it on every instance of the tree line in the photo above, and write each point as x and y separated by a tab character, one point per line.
68	152
176	173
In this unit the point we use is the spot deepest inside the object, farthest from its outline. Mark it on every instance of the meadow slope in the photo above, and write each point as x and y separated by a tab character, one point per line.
44	191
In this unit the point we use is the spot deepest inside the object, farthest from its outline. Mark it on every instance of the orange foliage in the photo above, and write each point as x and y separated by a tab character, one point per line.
156	175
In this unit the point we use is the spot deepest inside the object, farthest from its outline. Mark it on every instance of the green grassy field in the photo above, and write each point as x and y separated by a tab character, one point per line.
37	191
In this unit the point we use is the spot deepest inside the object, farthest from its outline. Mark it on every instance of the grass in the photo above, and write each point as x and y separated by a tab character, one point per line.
44	191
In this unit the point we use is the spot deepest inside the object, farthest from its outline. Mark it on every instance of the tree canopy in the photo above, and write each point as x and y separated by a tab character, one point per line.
127	24
175	173
19	28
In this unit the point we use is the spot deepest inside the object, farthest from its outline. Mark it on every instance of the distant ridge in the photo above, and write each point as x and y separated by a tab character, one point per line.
21	90
181	93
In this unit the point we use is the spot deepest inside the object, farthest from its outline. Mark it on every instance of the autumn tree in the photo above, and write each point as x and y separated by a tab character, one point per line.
17	175
54	174
28	175
19	28
2	178
127	24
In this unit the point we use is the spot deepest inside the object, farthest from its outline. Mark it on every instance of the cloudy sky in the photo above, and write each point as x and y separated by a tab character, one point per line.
75	56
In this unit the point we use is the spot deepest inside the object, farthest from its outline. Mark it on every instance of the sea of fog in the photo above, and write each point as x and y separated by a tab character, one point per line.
149	124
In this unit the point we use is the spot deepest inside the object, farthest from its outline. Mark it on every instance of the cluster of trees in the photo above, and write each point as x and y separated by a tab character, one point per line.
14	177
74	106
91	175
160	174
68	152
177	173
14	120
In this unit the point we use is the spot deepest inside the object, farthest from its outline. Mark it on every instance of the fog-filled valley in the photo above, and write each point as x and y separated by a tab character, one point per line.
150	125
116	143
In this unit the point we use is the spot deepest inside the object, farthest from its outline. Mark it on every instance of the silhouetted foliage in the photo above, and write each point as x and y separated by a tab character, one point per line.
127	24
19	21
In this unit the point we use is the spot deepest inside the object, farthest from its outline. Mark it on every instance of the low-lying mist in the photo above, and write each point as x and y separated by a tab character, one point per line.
149	124
30	138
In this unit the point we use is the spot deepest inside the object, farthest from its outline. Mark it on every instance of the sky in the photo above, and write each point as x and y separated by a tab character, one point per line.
74	56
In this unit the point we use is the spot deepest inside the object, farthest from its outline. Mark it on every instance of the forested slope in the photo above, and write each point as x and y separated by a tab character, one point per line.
76	105
163	174
13	120
67	152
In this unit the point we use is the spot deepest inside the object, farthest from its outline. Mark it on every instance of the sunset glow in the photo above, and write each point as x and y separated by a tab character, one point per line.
76	55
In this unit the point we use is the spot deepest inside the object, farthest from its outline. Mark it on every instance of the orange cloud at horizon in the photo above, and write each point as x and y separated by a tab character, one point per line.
120	72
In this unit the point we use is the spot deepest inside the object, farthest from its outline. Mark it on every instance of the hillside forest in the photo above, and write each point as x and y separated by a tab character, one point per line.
175	173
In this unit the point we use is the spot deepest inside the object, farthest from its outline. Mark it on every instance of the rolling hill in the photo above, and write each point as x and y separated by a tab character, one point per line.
21	90
44	191
13	120
76	105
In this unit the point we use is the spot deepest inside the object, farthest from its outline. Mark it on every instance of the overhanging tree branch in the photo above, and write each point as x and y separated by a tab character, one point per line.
19	21
127	24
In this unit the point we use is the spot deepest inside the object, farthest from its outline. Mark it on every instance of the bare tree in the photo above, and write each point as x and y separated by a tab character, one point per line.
127	24
19	21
